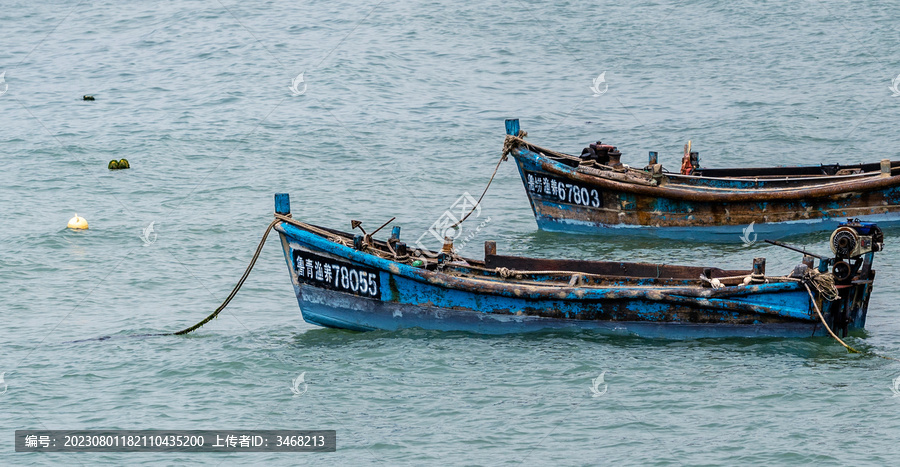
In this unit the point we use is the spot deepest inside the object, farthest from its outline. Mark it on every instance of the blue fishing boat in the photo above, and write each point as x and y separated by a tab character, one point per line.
353	281
595	192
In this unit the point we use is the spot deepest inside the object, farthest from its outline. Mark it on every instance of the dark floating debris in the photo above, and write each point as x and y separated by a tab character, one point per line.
120	164
87	98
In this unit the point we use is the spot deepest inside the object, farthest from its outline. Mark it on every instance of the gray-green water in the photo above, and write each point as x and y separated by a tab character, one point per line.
402	113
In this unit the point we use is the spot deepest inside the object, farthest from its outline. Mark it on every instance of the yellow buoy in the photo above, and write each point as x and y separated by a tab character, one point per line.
77	223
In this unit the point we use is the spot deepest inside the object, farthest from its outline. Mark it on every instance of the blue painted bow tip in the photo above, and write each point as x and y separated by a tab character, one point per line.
282	203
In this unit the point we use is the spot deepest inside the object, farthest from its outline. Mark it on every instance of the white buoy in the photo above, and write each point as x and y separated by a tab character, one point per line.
76	222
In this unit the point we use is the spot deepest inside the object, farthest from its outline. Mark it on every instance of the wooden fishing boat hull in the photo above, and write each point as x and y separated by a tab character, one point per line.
339	286
336	310
568	196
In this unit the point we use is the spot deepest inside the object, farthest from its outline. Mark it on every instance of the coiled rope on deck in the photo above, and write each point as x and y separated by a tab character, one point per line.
824	283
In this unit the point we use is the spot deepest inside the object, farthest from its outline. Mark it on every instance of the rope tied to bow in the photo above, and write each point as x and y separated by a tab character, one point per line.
505	272
511	143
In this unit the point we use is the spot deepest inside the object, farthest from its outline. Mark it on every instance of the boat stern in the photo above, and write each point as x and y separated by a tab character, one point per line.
854	244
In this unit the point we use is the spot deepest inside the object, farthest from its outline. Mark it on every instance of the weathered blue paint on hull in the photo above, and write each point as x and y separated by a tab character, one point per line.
343	311
597	209
576	222
410	297
712	234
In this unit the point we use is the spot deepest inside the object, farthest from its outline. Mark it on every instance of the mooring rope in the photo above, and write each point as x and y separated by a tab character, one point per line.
278	218
824	284
822	318
503	157
512	142
236	287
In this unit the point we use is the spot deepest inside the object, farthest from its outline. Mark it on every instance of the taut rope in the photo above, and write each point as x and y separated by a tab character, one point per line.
511	143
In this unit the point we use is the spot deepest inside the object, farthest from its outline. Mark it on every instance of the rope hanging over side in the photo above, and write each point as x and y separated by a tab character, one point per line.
812	298
236	287
824	284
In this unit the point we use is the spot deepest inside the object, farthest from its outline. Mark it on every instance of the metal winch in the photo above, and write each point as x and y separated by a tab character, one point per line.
603	154
850	242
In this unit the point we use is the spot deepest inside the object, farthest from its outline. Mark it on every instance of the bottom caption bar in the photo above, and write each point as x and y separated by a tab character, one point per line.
176	441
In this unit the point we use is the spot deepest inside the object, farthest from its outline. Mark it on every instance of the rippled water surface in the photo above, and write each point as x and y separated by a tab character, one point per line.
401	112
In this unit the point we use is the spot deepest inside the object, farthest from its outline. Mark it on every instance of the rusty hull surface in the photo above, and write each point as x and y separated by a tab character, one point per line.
698	208
544	294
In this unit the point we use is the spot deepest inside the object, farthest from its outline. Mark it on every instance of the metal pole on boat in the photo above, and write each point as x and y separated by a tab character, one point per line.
799	250
885	168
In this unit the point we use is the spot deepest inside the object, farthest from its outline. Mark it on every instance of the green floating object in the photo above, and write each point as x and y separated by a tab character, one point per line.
120	164
88	98
418	263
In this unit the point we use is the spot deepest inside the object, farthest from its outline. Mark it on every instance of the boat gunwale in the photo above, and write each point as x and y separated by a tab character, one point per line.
482	284
553	155
703	194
